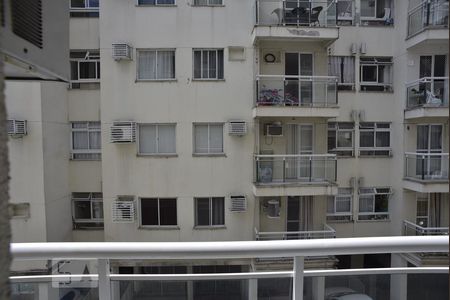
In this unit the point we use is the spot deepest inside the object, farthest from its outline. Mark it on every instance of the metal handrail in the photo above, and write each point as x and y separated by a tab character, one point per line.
424	80
310	78
294	155
328	231
425	154
420	229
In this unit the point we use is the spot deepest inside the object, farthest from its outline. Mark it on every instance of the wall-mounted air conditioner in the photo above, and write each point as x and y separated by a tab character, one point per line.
122	51
272	208
123	132
237	127
17	128
238	204
274	129
123	210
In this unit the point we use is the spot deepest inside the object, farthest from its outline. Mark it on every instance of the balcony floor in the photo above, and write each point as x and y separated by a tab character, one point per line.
426	112
426	186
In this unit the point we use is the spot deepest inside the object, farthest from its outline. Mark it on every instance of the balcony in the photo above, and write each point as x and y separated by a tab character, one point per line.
295	175
296	96
427	97
426	172
106	282
428	24
298	20
327	232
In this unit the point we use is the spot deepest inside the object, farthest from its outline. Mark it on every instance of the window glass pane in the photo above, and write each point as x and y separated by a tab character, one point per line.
212	57
165	1
425	66
147	139
218	211
74	70
439	65
422	137
205	64
77	3
80	140
166	139
200	2
343	204
436	137
149	211
366	139
87	70
201	139
368	8
330	205
166	65
216	138
344	139
422	208
197	64
366	203
95	140
97	209
369	73
202	211
215	2
331	139
78	125
148	2
147	65
220	64
382	139
381	203
168	211
82	209
93	3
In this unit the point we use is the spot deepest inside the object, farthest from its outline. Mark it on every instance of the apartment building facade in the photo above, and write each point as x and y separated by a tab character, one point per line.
222	120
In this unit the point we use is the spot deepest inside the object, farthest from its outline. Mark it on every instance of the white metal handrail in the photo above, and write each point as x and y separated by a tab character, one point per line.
426	154
327	232
294	155
425	230
301	77
424	80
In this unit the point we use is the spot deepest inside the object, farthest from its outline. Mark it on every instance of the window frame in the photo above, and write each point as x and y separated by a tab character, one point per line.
370	61
339	151
375	215
209	153
156	4
91	198
375	149
140	211
156	50
202	78
91	152
139	153
345	192
86	8
94	58
209	4
210	211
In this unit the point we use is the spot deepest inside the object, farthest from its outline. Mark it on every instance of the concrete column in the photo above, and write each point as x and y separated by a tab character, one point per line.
104	282
299	267
399	282
253	289
318	288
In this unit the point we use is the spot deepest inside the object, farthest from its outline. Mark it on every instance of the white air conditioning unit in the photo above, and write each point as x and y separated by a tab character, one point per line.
237	127
123	132
17	128
123	210
238	204
272	208
121	51
274	129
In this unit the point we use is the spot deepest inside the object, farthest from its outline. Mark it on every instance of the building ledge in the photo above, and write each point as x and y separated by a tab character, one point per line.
426	186
426	112
296	111
294	189
429	37
326	35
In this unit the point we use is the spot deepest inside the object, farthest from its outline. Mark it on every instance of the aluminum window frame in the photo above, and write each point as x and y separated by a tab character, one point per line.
156	50
210	210
348	195
157	139
91	199
156	4
209	153
370	61
202	78
94	58
86	7
208	4
375	129
338	150
73	151
375	192
140	211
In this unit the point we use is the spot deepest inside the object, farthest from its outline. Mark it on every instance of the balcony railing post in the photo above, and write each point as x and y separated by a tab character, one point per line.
423	167
297	286
104	283
284	169
310	169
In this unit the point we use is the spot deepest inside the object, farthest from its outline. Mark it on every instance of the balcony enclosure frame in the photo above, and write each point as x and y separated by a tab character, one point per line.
427	92
430	14
429	167
410	228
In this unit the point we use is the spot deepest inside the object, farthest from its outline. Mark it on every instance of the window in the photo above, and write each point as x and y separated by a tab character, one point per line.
207	2
374	203
339	207
208	64
374	139
156	2
158	212
208	138
86	141
156	64
157	139
87	210
343	67
84	8
209	211
340	138
376	74
85	69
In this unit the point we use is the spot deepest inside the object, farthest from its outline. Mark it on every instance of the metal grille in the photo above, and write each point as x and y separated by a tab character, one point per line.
26	17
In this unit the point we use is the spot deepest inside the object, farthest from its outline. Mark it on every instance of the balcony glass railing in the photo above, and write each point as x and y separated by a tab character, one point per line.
296	13
430	13
426	166
427	92
155	279
410	228
304	168
326	232
304	91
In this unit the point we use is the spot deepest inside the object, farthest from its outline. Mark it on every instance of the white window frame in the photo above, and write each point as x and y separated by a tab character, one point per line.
86	7
159	212
377	64
209	153
373	192
375	129
210	213
84	151
337	130
156	3
157	139
91	199
156	50
335	216
94	58
208	4
201	63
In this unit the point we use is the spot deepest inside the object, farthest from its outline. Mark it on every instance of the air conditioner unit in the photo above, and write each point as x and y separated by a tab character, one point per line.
123	132
274	129
17	128
237	127
123	210
238	204
272	208
121	51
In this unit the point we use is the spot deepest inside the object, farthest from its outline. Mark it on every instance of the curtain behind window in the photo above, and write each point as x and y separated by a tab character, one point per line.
166	65
147	65
217	211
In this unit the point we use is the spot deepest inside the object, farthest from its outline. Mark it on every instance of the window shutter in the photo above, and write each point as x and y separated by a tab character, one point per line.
238	204
123	210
